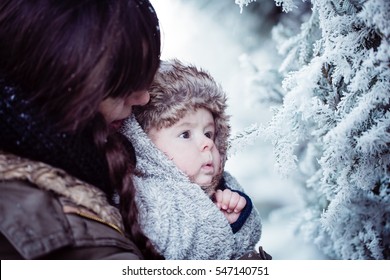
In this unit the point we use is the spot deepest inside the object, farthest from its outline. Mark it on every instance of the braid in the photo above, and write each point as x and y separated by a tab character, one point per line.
121	161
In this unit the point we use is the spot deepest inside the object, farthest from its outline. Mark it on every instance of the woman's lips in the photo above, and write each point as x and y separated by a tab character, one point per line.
116	125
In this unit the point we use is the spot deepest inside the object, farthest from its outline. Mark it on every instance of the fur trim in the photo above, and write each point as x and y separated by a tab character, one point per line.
58	181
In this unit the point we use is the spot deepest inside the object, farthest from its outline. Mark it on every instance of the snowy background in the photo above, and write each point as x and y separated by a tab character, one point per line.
216	36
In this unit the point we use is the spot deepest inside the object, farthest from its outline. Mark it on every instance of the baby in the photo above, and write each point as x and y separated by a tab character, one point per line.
181	139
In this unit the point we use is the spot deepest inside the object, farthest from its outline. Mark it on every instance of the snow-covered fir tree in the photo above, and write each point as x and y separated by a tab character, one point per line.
331	128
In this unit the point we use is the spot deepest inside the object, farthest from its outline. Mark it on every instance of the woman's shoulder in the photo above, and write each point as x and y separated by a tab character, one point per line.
38	225
44	210
32	221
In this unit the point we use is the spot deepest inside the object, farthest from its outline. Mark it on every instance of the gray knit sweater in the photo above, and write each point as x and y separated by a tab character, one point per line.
177	216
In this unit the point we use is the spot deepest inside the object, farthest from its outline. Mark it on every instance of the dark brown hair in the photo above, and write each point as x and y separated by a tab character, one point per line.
68	56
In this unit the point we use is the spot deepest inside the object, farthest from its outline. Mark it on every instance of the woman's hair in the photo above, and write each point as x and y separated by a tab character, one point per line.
68	56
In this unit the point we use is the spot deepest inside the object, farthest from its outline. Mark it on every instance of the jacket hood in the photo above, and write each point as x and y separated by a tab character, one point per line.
178	88
150	161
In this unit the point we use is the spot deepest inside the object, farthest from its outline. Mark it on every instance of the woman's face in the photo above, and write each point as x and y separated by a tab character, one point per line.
115	110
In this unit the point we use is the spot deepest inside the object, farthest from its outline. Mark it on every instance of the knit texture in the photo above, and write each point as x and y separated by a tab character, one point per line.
177	215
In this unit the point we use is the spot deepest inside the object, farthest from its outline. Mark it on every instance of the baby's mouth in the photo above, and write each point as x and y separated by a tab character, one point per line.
208	167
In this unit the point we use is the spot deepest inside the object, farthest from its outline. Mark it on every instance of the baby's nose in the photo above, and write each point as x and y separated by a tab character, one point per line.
207	143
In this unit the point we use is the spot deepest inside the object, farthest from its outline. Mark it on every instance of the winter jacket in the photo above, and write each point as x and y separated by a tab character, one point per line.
48	214
177	215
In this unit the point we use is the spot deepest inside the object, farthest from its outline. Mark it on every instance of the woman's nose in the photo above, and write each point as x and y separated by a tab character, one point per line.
138	98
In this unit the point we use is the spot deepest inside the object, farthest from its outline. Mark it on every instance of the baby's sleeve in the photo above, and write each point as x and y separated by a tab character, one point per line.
249	232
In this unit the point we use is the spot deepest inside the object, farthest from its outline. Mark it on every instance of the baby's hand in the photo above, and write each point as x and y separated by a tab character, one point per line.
230	203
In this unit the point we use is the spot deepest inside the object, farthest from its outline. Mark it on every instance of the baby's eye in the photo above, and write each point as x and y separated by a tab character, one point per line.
209	134
185	135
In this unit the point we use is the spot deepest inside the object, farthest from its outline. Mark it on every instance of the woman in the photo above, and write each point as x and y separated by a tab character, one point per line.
70	71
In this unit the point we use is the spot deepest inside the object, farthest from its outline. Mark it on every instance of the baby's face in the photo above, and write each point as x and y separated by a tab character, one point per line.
189	143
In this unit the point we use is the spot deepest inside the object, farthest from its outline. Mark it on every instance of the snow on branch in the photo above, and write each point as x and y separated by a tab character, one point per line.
331	127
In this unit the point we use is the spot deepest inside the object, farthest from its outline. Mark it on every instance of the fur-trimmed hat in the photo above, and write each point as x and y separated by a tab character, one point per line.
178	88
